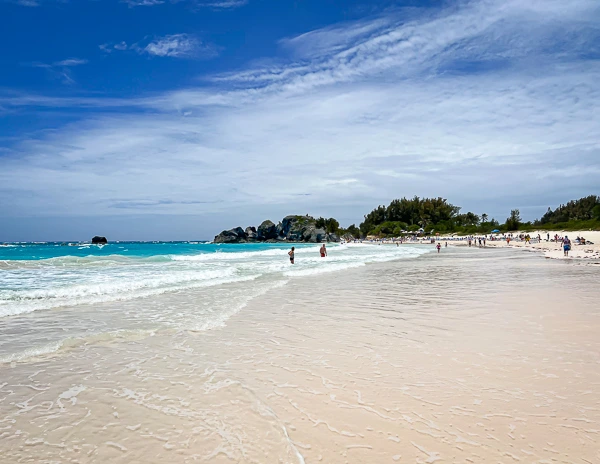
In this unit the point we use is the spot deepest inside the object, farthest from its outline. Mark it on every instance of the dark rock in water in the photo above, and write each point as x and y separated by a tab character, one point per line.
99	240
251	234
267	231
235	235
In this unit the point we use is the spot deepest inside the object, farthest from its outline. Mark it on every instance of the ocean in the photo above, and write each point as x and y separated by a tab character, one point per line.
54	295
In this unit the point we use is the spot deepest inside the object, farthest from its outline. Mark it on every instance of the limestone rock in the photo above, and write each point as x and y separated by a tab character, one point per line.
235	235
267	231
251	234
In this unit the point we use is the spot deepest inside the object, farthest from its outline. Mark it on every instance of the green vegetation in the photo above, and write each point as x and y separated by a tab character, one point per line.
583	209
432	215
331	225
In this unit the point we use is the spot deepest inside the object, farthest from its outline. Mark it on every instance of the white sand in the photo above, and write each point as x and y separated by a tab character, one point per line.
469	356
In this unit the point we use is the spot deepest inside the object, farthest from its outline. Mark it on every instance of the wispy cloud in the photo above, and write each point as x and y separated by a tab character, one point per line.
173	46
213	4
134	3
221	4
479	103
60	69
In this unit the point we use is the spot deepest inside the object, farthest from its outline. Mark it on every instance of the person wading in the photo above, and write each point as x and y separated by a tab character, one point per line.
291	253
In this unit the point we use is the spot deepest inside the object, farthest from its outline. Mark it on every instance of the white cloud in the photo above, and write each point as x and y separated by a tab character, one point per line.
70	62
479	103
176	45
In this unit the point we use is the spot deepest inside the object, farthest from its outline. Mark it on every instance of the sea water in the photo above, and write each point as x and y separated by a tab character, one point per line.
56	295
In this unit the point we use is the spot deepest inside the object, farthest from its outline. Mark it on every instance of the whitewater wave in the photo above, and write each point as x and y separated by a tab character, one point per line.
20	304
71	280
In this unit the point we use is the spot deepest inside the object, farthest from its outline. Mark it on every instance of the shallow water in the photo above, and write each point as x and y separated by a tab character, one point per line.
50	298
467	356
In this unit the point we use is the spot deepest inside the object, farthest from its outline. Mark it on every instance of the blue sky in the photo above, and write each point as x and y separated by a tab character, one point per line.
150	119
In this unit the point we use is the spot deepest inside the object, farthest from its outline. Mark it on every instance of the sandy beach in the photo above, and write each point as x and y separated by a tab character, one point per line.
469	356
554	250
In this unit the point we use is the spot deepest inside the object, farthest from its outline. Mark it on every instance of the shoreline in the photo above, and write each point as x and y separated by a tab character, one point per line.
550	249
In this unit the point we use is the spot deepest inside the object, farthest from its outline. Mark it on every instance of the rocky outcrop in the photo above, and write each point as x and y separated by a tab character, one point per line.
99	240
235	235
301	229
251	234
291	229
267	231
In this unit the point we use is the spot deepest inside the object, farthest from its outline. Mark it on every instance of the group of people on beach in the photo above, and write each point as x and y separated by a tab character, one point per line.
292	253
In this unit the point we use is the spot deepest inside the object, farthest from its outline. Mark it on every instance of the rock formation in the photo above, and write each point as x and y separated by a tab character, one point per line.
235	235
97	240
267	231
291	229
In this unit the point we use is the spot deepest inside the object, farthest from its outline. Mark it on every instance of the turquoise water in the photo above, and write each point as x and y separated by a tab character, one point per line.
51	293
48	250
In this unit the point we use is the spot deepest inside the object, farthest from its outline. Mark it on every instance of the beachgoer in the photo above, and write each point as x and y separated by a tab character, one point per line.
291	253
323	251
438	247
445	244
566	246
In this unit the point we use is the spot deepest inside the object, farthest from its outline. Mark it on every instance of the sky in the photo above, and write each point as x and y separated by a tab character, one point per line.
175	119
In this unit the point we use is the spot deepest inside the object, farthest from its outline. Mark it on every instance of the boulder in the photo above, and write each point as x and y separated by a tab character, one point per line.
267	231
297	228
314	235
98	239
235	235
251	234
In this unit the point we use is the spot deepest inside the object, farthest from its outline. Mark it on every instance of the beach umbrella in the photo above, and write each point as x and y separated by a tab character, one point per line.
495	231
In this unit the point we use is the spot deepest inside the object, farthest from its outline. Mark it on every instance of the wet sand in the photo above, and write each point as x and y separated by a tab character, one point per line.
472	355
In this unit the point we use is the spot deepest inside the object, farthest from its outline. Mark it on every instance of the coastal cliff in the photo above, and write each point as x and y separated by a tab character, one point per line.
291	229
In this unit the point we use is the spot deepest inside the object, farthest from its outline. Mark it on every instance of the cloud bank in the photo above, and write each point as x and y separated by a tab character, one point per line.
492	105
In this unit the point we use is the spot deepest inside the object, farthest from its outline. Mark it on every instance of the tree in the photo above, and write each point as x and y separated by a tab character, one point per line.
514	221
574	210
332	226
353	230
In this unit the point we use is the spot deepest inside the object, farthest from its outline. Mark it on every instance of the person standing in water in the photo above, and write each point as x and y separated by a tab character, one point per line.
566	246
323	251
438	246
291	253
